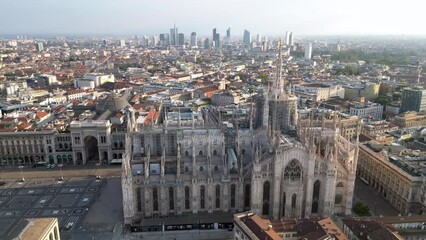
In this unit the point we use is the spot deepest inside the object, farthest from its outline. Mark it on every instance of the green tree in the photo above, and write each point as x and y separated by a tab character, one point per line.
361	209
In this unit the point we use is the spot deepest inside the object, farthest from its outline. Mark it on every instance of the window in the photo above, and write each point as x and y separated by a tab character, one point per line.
338	199
266	190
315	196
200	153
201	169
171	199
216	168
218	196
215	152
233	190
139	199
293	201
247	196
55	231
186	197
202	197
292	171
155	199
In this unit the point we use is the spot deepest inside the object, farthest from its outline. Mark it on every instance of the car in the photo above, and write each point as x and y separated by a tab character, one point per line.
52	165
47	165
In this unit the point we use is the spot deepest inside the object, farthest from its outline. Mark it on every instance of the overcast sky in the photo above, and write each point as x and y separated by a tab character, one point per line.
271	17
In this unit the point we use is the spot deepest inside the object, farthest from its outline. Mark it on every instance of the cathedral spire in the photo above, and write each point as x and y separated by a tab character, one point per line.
278	85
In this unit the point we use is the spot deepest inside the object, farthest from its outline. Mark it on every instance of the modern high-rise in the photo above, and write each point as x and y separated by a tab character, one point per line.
228	33
246	38
291	39
216	38
165	39
40	47
413	100
174	38
122	43
287	38
308	51
193	39
258	38
181	39
206	43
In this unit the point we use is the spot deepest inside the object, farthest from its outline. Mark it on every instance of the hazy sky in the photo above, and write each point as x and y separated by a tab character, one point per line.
303	17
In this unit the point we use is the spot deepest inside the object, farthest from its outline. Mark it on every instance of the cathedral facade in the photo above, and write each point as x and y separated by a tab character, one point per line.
284	167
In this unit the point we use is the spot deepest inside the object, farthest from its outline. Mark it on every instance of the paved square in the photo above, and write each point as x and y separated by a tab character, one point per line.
68	201
64	201
19	202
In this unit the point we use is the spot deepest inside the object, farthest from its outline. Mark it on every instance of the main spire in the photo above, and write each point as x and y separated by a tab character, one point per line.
278	86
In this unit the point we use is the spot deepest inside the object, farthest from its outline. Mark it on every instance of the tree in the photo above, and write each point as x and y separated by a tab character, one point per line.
361	209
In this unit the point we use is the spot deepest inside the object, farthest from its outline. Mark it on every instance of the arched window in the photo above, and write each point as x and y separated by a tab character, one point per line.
66	146
215	152
266	190
200	153
171	199
293	201
233	191
115	145
114	155
292	171
216	168
121	145
59	158
243	151
201	169
247	196
218	196
339	185
186	169
60	146
187	198
120	155
315	196
202	197
155	199
186	154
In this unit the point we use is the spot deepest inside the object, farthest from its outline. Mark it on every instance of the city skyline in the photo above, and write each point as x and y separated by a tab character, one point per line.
130	17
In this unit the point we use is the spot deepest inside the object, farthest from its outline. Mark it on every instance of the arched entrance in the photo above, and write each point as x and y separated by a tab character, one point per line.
91	149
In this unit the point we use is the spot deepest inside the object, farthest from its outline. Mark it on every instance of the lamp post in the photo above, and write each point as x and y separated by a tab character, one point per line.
22	173
60	172
98	166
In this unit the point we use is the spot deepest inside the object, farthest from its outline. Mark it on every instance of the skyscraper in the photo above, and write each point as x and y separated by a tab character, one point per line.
413	100
122	43
165	39
308	51
174	38
246	38
258	38
193	39
291	39
181	39
216	38
287	38
40	47
228	33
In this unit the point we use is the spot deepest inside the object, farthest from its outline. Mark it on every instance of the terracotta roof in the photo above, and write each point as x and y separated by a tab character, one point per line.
208	89
41	115
260	227
24	126
151	117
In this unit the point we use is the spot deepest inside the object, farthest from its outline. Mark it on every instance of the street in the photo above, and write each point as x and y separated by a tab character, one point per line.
378	206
